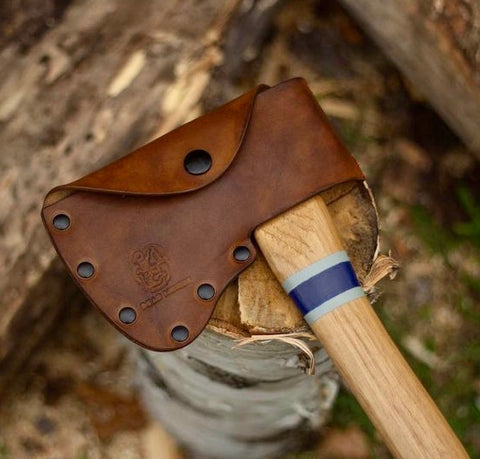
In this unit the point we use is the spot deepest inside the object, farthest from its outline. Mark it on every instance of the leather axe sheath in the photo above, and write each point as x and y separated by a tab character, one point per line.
153	239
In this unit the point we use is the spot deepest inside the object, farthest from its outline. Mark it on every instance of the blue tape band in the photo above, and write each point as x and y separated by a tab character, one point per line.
315	268
324	286
333	303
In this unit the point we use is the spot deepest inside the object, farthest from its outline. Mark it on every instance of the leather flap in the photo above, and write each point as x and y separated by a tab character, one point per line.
154	169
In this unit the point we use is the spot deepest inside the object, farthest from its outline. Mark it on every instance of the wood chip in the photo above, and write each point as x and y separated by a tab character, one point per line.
128	73
340	108
421	353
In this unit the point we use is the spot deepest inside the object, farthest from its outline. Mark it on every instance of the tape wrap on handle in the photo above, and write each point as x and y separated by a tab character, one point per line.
323	286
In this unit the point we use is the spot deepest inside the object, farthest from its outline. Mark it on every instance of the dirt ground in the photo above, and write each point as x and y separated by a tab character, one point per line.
76	398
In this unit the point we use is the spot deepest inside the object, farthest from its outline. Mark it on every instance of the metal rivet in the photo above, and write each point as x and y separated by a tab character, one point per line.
197	162
85	270
61	222
206	292
180	333
127	315
241	253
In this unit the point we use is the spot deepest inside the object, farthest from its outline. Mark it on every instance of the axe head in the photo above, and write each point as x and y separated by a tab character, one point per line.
153	238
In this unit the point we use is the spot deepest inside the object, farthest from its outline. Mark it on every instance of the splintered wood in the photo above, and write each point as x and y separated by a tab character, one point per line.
261	305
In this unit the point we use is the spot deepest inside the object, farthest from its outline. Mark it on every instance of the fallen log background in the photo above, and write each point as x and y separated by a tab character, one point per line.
436	45
67	106
84	82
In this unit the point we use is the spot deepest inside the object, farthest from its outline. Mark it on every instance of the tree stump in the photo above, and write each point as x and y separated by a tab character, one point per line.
257	400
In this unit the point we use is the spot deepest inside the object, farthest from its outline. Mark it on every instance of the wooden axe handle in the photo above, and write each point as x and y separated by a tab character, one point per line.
305	252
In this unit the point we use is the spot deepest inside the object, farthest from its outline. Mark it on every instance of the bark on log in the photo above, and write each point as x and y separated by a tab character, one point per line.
250	402
104	79
436	44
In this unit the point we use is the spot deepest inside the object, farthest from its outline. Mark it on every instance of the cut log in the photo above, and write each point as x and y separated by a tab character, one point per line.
225	401
251	402
436	46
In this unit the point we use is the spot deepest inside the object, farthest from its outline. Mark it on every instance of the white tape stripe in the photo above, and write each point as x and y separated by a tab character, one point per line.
333	303
312	270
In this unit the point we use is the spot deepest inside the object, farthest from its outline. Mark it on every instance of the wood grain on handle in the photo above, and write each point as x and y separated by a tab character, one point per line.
394	399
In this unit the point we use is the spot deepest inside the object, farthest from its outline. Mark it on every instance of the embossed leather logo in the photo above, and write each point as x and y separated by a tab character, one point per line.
152	272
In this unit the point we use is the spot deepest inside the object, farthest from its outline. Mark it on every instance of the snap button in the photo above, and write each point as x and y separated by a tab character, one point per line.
127	315
61	222
85	269
197	162
180	333
241	253
206	292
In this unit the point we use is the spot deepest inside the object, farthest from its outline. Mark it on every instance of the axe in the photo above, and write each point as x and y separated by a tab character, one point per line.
154	238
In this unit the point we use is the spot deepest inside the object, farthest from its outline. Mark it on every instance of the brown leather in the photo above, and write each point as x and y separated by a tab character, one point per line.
154	233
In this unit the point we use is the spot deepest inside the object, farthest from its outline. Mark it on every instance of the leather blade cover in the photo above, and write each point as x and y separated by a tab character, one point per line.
153	232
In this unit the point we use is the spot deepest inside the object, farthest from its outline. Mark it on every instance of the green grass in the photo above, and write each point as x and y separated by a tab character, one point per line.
4	452
82	455
348	412
469	229
440	239
436	238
